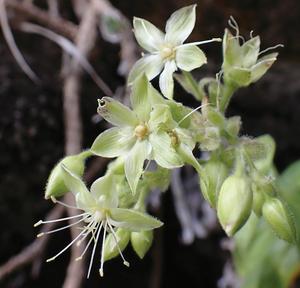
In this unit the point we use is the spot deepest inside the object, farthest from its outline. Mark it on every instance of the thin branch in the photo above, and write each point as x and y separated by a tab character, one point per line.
8	35
61	26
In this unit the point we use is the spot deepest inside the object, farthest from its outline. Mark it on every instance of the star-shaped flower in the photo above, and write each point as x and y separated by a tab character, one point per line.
140	132
167	52
101	211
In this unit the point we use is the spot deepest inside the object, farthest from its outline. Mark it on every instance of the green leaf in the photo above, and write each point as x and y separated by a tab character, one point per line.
78	188
151	65
133	220
134	163
147	35
116	113
111	247
190	57
114	142
141	242
163	152
166	82
140	100
180	25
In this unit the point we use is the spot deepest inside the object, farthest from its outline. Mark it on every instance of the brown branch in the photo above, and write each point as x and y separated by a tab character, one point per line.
35	249
61	26
84	41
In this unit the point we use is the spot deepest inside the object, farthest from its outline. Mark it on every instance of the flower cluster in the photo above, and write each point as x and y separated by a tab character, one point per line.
236	177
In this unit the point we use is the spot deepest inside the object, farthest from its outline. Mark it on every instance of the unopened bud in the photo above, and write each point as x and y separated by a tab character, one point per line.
55	185
141	242
280	219
211	179
113	245
234	203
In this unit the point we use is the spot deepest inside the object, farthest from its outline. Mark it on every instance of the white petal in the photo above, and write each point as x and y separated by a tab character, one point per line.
180	25
151	65
147	35
189	58
166	82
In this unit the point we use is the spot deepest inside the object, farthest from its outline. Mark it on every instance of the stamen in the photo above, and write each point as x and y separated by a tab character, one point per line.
63	250
88	229
54	200
58	220
102	250
199	43
251	34
233	24
190	113
63	228
271	48
93	252
218	78
126	263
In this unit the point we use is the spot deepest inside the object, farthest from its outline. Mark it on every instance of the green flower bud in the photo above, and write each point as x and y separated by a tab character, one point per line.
56	186
234	203
211	179
141	242
280	219
112	246
233	125
211	140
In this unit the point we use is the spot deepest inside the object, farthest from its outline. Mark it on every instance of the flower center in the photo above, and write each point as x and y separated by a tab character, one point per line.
141	131
174	138
168	52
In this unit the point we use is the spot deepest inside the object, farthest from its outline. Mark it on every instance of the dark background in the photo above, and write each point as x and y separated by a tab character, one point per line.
32	140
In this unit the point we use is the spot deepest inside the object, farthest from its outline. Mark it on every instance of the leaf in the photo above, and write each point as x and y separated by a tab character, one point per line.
147	35
180	25
113	142
190	57
133	220
134	163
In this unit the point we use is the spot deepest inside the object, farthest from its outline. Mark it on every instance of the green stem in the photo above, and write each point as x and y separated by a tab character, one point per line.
228	91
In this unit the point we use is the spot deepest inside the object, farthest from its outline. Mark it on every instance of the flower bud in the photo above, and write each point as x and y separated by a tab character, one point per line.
234	203
56	186
112	246
280	219
141	242
211	179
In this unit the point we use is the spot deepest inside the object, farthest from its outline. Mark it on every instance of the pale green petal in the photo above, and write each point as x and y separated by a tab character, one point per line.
114	142
232	52
133	220
250	50
140	100
134	163
262	66
151	65
83	197
166	82
188	157
116	113
190	57
147	35
163	152
161	117
104	190
180	24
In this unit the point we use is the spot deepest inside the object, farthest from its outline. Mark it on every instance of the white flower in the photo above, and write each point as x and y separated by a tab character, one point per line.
100	212
167	52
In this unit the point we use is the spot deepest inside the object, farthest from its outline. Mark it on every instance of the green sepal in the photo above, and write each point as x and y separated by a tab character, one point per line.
111	247
141	242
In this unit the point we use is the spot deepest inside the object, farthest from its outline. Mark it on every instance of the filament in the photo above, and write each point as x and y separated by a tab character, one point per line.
102	250
54	200
199	43
58	220
271	48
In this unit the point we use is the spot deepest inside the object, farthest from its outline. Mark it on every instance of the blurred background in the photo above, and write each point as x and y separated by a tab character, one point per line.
33	121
